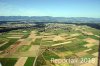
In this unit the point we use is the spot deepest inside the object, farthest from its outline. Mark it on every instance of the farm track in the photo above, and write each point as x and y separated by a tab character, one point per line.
38	52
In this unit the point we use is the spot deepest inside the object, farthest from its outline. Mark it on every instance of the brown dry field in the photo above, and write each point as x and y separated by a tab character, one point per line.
58	38
80	54
89	45
87	50
21	61
91	41
95	54
61	43
87	33
63	54
14	37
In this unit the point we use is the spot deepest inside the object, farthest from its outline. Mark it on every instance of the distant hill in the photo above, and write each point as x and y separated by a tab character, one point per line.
50	19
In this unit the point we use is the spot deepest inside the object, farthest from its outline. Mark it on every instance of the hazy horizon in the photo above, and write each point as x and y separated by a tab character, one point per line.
54	8
48	16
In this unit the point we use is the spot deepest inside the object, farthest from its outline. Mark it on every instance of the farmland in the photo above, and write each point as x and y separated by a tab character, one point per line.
36	46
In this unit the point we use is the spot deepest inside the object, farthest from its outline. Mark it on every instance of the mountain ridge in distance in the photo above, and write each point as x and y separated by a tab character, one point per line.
50	19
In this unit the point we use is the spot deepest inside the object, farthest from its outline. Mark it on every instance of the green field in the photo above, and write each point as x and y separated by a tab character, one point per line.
8	61
29	61
10	42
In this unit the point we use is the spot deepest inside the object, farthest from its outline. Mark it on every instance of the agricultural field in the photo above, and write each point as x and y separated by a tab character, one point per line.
50	45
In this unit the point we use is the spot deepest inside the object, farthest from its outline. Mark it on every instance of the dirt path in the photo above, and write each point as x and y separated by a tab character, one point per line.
39	51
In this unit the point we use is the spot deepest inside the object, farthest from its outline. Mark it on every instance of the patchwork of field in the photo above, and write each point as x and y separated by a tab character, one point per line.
38	46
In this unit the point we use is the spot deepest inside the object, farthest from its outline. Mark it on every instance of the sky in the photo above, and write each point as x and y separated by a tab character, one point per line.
55	8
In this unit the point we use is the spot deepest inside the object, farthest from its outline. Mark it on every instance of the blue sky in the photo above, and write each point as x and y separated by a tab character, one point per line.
56	8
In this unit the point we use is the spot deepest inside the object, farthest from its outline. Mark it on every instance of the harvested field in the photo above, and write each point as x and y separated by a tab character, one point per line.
32	35
89	45
34	48
91	41
26	41
62	64
61	43
73	35
87	50
63	54
87	64
13	37
23	54
21	61
95	54
57	38
87	33
80	54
